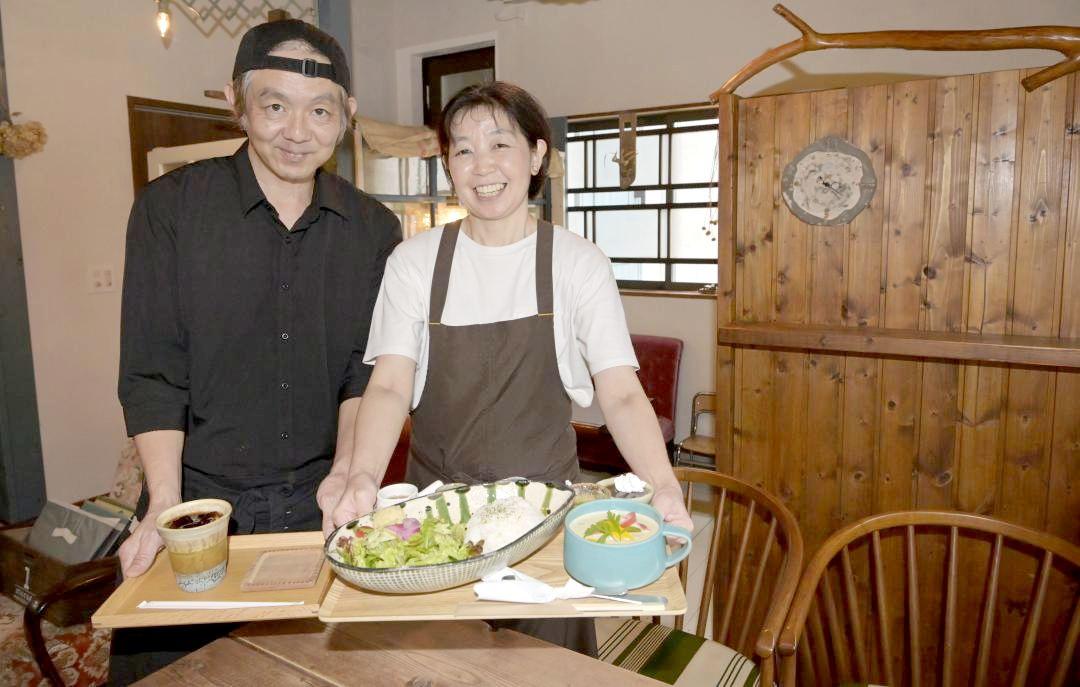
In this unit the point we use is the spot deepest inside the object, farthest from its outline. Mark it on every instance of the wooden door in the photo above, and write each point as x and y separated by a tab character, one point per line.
159	123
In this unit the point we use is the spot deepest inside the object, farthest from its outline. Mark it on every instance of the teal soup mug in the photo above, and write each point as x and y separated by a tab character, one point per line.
617	544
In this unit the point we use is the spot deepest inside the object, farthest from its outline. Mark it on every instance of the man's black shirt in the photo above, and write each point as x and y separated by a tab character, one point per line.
239	332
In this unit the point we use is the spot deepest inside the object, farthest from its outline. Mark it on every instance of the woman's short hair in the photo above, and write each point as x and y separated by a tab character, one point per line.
516	103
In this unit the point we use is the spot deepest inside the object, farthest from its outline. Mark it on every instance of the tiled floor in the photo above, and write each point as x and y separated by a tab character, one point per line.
703	528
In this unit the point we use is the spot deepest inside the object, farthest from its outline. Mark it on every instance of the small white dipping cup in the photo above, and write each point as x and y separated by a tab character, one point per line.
393	494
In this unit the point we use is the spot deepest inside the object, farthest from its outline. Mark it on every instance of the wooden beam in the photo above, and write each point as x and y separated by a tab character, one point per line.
1012	349
1063	39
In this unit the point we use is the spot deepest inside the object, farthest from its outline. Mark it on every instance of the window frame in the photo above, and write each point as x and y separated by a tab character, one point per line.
661	123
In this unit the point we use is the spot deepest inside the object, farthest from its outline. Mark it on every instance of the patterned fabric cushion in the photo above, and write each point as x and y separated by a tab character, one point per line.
674	657
127	482
80	653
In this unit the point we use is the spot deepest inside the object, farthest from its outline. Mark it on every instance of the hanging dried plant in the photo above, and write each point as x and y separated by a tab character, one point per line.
20	140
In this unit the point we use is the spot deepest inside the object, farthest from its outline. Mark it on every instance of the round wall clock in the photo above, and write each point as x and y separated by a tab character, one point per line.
828	182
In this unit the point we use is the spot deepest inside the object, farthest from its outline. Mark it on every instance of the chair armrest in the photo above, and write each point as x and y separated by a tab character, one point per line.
35	612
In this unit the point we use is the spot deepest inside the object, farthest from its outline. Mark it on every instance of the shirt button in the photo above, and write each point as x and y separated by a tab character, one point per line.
284	286
284	386
284	435
284	336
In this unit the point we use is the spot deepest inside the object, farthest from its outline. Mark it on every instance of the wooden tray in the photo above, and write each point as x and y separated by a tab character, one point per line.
345	603
159	584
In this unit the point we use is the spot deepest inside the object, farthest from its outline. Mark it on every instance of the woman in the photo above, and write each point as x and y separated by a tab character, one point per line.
488	327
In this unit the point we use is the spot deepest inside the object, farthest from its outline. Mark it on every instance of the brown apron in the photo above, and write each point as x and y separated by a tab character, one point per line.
494	406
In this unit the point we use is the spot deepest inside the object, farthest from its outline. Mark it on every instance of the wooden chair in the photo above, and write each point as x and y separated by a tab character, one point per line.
902	576
698	444
747	568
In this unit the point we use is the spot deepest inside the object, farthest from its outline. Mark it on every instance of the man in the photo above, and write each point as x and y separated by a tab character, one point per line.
248	292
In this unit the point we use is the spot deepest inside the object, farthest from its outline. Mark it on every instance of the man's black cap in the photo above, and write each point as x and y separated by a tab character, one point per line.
257	43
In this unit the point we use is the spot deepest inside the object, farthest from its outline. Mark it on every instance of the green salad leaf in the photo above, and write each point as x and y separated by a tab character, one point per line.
611	527
437	541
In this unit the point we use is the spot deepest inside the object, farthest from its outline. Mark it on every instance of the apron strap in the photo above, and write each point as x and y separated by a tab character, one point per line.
440	282
545	300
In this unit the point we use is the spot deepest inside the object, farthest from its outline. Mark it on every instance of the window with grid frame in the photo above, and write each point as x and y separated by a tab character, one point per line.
660	233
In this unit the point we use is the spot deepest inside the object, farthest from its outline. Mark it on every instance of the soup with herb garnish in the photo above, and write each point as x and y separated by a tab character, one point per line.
614	527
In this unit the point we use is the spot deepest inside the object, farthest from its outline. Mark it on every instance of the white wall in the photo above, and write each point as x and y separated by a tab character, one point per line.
71	65
580	56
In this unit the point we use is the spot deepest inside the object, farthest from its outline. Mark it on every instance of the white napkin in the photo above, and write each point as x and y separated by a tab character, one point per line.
508	584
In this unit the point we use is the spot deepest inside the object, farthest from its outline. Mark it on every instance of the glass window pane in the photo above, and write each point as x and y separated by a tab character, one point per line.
415	172
450	84
575	164
576	220
694	195
627	233
637	271
698	122
693	157
578	199
607	170
648	161
663	233
446	213
655	197
381	175
691	234
415	217
441	180
694	274
665	150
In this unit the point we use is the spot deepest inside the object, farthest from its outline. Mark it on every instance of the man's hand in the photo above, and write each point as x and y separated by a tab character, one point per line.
328	496
357	498
137	553
669	501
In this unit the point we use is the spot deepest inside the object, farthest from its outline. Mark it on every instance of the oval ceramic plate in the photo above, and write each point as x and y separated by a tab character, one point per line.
456	504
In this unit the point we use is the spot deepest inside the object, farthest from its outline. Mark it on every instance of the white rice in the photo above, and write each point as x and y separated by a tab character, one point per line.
501	522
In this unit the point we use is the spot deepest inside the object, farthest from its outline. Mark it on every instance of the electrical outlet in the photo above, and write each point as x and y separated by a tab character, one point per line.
99	279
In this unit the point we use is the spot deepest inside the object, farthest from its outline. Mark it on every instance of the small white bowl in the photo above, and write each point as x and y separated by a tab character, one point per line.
641	498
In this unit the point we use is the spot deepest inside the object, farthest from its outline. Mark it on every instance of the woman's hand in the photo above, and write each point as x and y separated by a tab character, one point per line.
669	501
357	497
138	552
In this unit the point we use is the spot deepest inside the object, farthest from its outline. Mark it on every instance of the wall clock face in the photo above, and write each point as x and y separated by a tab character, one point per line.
828	182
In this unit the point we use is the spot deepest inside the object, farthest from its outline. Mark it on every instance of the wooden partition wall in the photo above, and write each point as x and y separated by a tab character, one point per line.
927	355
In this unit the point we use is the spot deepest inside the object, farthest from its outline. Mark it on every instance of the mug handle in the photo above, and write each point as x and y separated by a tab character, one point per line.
684	550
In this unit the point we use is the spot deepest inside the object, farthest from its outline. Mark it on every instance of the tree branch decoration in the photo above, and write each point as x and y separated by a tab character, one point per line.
1063	39
20	140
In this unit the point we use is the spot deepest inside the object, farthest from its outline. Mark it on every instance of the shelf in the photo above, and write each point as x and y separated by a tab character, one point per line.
1017	350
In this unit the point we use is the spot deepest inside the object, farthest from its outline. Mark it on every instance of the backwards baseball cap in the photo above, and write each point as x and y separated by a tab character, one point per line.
255	47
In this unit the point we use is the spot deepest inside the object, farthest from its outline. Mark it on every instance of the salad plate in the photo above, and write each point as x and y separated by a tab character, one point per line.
432	527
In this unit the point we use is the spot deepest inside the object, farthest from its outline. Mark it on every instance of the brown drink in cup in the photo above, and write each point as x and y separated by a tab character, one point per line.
196	534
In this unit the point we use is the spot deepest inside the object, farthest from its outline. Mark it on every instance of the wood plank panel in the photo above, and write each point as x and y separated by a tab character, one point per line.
1036	294
982	446
754	385
1063	502
1063	498
993	201
727	206
863	307
942	311
825	373
908	172
791	305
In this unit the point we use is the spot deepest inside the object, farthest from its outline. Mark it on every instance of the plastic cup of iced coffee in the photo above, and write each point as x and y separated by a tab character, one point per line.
196	535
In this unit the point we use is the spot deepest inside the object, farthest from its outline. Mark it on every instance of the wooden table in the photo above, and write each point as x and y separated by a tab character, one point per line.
412	654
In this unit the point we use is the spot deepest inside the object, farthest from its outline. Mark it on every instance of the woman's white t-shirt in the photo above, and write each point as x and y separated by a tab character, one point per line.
498	283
